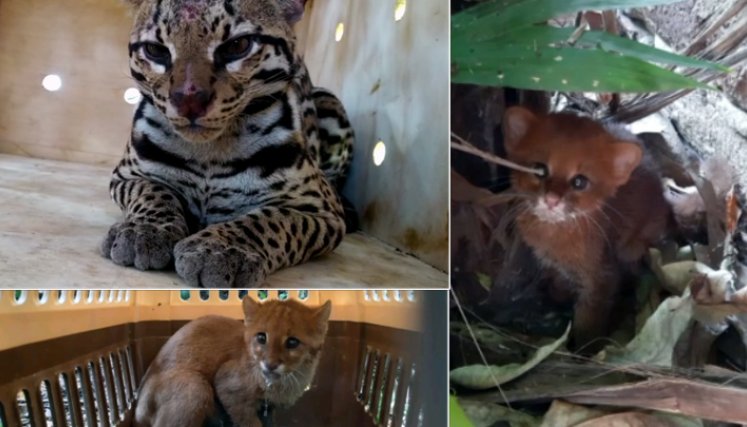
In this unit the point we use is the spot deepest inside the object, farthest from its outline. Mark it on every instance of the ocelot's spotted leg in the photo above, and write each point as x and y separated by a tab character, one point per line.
154	221
242	252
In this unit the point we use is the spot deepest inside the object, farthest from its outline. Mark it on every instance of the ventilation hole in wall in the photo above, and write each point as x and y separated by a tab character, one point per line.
107	391
45	393
398	296
379	153
123	372
127	296
76	297
98	403
23	405
371	382
223	295
385	295
102	296
204	295
117	384
394	394
339	31
19	297
382	388
282	295
52	82
185	295
411	296
375	296
84	398
66	398
61	297
363	374
400	7
243	293
89	297
42	296
421	417
303	295
366	296
132	96
131	369
407	406
112	296
262	295
120	296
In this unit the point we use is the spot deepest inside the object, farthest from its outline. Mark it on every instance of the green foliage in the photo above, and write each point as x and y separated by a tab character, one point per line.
505	43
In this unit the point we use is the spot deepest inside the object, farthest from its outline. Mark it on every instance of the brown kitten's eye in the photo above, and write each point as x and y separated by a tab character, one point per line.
233	49
262	338
157	52
579	182
543	168
292	342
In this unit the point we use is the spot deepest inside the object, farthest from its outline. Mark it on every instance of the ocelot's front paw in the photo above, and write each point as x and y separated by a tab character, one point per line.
212	263
146	246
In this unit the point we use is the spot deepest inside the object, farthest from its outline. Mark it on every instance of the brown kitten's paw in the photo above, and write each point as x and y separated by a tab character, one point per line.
210	263
146	246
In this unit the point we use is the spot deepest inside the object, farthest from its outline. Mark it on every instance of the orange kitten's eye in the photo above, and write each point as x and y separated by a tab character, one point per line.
292	343
262	338
579	182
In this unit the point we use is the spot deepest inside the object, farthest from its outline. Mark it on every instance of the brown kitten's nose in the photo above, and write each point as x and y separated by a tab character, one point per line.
552	200
272	367
192	104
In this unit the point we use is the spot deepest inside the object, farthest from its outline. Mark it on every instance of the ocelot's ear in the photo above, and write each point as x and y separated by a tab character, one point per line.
292	9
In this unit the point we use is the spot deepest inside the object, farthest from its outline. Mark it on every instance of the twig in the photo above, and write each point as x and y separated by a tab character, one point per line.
479	350
471	149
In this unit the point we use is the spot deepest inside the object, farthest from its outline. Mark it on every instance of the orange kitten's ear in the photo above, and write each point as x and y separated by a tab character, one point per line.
626	156
516	123
250	308
321	314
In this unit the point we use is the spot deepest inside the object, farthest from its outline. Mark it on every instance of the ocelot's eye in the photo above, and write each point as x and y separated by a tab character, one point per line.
292	342
157	52
262	338
543	168
234	49
579	182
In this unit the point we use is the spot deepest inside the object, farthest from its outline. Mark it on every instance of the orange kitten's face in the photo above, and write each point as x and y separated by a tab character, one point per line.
284	338
584	165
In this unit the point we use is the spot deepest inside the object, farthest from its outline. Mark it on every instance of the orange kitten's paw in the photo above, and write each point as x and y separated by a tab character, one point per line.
211	263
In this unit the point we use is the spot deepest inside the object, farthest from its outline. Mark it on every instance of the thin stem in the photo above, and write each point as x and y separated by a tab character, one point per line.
466	147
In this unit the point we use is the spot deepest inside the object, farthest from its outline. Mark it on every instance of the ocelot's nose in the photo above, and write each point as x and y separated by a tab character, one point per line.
192	104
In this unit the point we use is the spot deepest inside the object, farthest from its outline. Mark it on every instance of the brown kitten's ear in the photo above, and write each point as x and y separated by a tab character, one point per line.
292	9
626	156
516	123
321	314
250	308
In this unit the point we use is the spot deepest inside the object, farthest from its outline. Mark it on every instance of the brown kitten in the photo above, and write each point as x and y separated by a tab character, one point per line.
271	358
593	215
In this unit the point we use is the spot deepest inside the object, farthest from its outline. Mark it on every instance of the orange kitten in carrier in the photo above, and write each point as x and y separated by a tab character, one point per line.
215	367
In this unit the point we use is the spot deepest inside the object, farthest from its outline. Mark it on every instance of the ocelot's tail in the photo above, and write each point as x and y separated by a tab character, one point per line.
335	146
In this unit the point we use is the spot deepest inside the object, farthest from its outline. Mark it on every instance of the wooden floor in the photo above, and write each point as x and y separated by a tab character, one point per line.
54	214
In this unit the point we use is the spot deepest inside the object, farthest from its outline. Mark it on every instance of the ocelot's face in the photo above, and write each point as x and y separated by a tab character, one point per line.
203	61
